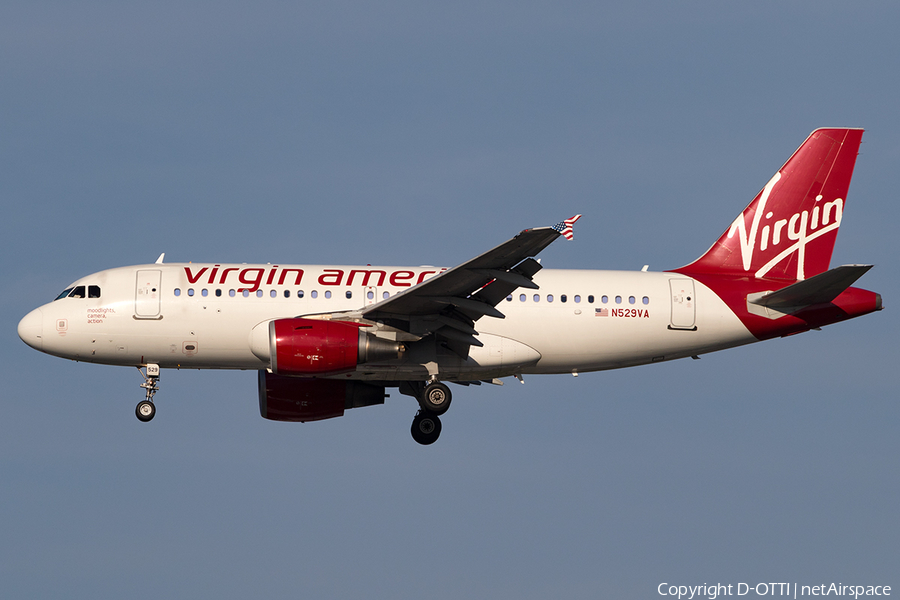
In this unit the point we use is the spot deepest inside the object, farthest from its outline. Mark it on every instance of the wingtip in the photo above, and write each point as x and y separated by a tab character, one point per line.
564	228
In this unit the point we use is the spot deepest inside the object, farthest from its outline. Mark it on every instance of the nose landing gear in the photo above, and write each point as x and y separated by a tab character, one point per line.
146	410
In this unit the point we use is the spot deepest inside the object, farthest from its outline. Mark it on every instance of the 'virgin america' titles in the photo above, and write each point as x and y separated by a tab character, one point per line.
800	228
253	277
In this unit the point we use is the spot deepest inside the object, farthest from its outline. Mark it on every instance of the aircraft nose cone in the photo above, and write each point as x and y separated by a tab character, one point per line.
31	329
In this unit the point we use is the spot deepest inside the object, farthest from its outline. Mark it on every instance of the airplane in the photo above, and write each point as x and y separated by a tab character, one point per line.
327	338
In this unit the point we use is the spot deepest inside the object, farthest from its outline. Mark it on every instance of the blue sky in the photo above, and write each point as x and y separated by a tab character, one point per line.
411	133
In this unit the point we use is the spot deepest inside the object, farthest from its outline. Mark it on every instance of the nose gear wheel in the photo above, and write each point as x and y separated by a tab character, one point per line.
146	410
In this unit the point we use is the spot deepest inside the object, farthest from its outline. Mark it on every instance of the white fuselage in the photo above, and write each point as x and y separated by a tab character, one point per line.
203	316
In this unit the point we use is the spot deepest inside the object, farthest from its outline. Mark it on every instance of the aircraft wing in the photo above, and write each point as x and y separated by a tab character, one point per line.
449	304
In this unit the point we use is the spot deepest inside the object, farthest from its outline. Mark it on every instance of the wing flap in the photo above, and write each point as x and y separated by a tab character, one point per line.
448	304
465	279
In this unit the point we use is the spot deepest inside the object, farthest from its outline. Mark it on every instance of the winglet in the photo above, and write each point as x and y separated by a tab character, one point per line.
565	227
159	260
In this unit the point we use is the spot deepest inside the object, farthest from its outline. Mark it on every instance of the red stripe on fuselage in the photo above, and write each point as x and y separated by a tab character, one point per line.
852	302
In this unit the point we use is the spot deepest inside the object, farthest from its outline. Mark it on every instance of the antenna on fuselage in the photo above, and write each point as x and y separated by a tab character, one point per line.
159	260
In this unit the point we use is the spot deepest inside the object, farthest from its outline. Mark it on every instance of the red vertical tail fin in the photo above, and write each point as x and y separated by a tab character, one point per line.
789	230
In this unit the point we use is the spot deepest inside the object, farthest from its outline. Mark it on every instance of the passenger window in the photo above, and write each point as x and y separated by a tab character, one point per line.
522	297
509	298
177	291
590	299
246	293
93	291
349	294
645	300
287	293
218	293
273	294
577	299
313	294
549	297
328	293
77	292
630	299
190	291
259	293
64	293
299	293
204	292
604	299
537	297
563	298
370	295
386	295
231	293
618	299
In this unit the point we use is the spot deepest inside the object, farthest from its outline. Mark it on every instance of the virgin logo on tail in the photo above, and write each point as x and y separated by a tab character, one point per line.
798	228
788	231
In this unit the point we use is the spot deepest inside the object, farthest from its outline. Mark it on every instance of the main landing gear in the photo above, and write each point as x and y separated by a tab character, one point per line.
434	400
426	428
146	410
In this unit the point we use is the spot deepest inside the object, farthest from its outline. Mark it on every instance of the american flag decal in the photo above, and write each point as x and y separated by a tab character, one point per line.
601	312
565	227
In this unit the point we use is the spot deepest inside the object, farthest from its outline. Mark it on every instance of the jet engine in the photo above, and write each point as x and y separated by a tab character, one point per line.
297	399
308	347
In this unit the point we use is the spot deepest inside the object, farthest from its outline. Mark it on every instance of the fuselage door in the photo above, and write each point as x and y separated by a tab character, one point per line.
147	293
684	304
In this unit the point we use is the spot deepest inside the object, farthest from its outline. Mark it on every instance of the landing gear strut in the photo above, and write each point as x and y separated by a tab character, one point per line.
146	410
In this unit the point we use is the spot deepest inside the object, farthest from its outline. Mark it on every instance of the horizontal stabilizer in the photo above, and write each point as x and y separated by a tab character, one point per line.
819	289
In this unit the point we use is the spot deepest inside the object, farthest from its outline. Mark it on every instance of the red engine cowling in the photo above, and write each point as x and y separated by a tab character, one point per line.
296	399
302	347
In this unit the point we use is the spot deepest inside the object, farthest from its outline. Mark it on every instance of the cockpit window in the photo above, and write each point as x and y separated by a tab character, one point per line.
64	293
80	291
